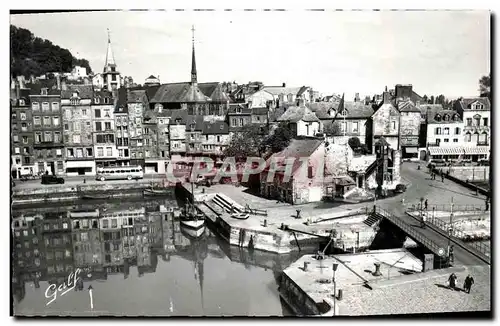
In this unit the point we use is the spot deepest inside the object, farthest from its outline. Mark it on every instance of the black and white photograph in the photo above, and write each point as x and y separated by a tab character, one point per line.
250	163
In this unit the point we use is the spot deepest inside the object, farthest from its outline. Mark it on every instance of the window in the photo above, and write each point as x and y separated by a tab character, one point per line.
79	152
114	223
21	102
26	150
106	112
343	126
16	138
76	139
354	127
36	106
66	127
446	131
24	126
98	126
446	117
67	114
70	152
393	125
25	139
23	115
457	131
89	152
38	137
37	121
45	107
100	151
107	125
46	121
241	122
437	117
478	106
109	151
74	101
147	153
97	113
477	120
455	140
55	121
438	131
455	117
485	121
469	122
48	136
55	106
468	137
58	151
446	140
16	150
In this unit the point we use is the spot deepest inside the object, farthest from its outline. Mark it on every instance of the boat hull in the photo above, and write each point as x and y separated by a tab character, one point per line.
193	224
192	233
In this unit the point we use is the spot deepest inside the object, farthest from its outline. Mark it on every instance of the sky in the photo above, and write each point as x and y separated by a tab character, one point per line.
438	52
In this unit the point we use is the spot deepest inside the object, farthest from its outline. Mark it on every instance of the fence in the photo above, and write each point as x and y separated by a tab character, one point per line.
457	233
447	208
432	246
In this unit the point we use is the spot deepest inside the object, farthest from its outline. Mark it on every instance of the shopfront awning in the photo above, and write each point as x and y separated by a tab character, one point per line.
411	150
459	150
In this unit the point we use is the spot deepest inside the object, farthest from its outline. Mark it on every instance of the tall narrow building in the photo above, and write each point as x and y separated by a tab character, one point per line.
111	77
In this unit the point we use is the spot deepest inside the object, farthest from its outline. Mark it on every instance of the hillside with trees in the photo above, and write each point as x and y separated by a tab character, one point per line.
31	55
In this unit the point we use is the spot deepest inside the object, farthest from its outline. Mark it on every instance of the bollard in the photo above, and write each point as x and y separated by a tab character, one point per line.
377	270
305	265
265	223
282	227
339	297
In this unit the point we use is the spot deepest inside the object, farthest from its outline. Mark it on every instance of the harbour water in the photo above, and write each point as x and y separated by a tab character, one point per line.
164	272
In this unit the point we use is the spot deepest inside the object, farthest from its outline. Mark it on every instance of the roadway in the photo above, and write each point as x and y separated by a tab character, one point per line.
437	193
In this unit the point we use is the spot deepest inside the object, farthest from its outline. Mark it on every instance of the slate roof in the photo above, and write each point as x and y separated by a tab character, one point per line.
302	90
121	102
244	109
215	128
136	96
260	111
356	110
321	109
197	120
186	92
36	88
431	118
295	114
429	108
466	102
84	91
297	148
276	113
181	114
23	94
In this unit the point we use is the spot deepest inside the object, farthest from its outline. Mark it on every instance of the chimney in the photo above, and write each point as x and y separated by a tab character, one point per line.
284	84
63	85
356	97
403	91
18	88
386	97
58	79
300	102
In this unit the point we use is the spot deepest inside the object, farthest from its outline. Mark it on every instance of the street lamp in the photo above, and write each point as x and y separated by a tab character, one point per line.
450	229
335	266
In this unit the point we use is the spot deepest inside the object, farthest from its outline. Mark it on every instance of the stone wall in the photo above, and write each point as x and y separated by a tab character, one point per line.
473	173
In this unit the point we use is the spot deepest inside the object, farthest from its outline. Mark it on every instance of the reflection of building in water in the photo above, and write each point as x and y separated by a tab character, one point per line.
28	244
141	228
86	238
167	224
18	284
58	246
155	229
130	217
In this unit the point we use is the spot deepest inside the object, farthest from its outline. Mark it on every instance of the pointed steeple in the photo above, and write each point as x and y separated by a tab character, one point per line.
194	75
110	58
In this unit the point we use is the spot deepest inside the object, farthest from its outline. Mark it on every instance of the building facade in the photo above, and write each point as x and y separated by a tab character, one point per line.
476	115
103	131
121	128
23	162
48	140
78	130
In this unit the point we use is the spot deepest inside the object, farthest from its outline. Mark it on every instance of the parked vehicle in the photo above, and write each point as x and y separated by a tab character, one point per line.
51	179
400	188
120	172
483	163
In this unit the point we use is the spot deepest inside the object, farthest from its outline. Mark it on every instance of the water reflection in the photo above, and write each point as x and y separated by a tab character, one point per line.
106	240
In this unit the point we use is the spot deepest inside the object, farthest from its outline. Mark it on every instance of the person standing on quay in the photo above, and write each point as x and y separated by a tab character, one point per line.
452	281
426	204
468	283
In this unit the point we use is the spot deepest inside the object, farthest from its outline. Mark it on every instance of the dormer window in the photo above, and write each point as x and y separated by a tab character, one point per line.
343	112
75	94
21	102
446	117
221	127
178	121
159	107
44	91
331	112
106	100
455	117
437	117
238	110
477	106
97	100
192	126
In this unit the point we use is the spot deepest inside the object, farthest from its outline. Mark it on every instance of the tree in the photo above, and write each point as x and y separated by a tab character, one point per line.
431	101
440	99
485	86
245	143
280	138
332	129
354	142
425	99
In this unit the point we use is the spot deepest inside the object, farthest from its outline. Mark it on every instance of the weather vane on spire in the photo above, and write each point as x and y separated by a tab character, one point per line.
109	36
192	30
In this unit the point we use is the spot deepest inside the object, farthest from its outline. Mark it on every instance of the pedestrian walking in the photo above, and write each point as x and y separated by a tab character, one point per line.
451	255
424	219
468	283
442	177
426	204
487	203
452	281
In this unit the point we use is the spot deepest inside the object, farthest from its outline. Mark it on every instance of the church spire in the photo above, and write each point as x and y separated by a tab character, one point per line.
110	58
194	75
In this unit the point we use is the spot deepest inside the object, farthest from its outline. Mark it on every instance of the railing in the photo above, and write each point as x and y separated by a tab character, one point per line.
435	144
483	143
408	230
459	234
447	208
